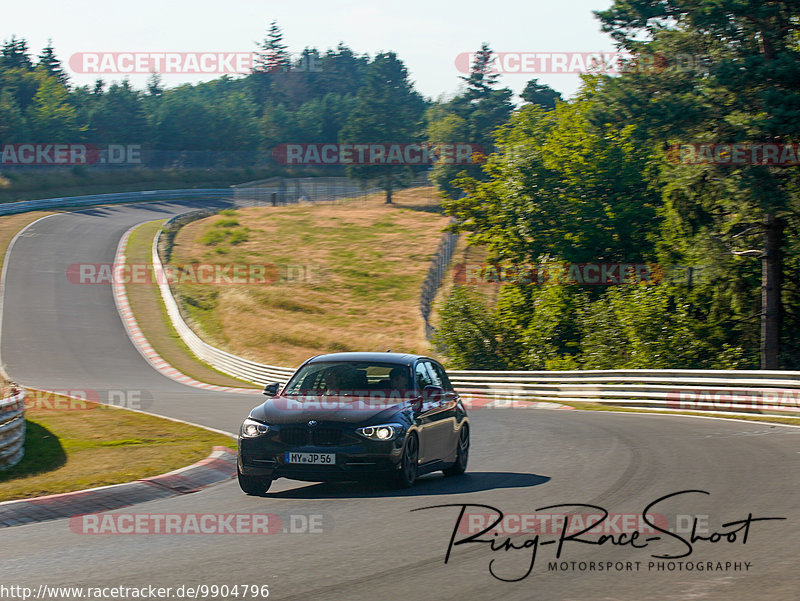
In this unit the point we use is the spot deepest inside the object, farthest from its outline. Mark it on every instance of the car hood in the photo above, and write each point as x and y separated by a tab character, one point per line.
344	409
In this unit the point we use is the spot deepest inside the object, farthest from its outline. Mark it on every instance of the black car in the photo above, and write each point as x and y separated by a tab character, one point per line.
354	416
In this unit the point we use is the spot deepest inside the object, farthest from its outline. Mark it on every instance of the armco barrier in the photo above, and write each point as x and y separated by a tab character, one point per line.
10	208
12	429
241	196
217	358
676	390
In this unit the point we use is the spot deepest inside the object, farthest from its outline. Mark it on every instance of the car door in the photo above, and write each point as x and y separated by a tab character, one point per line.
443	417
424	419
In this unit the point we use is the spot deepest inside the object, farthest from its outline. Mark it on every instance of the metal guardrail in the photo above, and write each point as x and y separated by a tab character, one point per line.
241	196
23	206
217	358
12	429
745	391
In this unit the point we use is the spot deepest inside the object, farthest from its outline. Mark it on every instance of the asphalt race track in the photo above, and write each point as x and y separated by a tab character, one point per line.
368	542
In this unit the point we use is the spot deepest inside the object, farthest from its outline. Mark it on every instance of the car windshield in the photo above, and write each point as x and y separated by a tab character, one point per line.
350	378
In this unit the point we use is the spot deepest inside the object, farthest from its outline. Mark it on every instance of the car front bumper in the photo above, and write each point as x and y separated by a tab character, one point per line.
266	458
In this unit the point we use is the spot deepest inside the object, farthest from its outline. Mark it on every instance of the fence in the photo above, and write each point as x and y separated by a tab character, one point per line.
282	190
12	429
436	273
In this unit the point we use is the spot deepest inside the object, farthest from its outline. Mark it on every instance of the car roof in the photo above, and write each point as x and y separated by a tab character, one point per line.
399	358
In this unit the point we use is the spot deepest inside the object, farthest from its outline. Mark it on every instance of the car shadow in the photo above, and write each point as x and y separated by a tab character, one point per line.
428	485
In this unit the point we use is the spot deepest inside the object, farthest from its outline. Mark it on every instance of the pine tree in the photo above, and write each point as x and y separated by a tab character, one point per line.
14	55
273	56
481	79
155	86
745	93
48	62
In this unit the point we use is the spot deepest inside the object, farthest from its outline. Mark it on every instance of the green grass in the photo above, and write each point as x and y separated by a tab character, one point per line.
371	259
151	315
84	445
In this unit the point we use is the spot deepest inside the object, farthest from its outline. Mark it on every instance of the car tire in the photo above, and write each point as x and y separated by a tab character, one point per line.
407	474
462	454
253	485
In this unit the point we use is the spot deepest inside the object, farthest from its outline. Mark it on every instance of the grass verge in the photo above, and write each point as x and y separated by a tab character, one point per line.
151	315
81	445
346	275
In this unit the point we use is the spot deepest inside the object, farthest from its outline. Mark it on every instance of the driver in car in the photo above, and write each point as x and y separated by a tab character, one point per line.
398	378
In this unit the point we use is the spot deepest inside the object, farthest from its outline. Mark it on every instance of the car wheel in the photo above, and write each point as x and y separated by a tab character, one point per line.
253	485
407	474
462	454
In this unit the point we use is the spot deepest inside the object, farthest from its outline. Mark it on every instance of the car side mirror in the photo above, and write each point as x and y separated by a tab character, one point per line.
272	389
433	393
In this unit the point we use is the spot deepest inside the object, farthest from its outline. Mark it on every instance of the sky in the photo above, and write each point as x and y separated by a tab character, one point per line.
427	36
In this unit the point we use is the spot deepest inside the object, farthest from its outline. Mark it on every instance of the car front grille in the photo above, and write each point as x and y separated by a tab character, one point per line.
327	436
294	436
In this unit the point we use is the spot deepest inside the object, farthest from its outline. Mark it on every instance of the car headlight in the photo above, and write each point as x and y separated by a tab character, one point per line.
380	432
251	428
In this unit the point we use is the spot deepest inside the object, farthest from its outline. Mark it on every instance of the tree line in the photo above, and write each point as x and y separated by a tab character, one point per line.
345	98
597	180
588	181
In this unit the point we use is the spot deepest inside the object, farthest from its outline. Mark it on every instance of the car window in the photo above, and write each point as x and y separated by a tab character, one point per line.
422	376
348	377
440	376
436	380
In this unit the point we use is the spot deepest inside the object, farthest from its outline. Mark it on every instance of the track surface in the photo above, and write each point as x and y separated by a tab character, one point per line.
373	545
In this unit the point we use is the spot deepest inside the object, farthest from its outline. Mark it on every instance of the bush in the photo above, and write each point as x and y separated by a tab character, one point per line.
471	335
239	236
212	237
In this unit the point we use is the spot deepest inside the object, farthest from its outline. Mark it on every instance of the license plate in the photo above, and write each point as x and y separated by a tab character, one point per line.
311	458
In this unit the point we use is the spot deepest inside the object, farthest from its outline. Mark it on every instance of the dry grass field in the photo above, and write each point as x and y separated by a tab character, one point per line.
348	276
